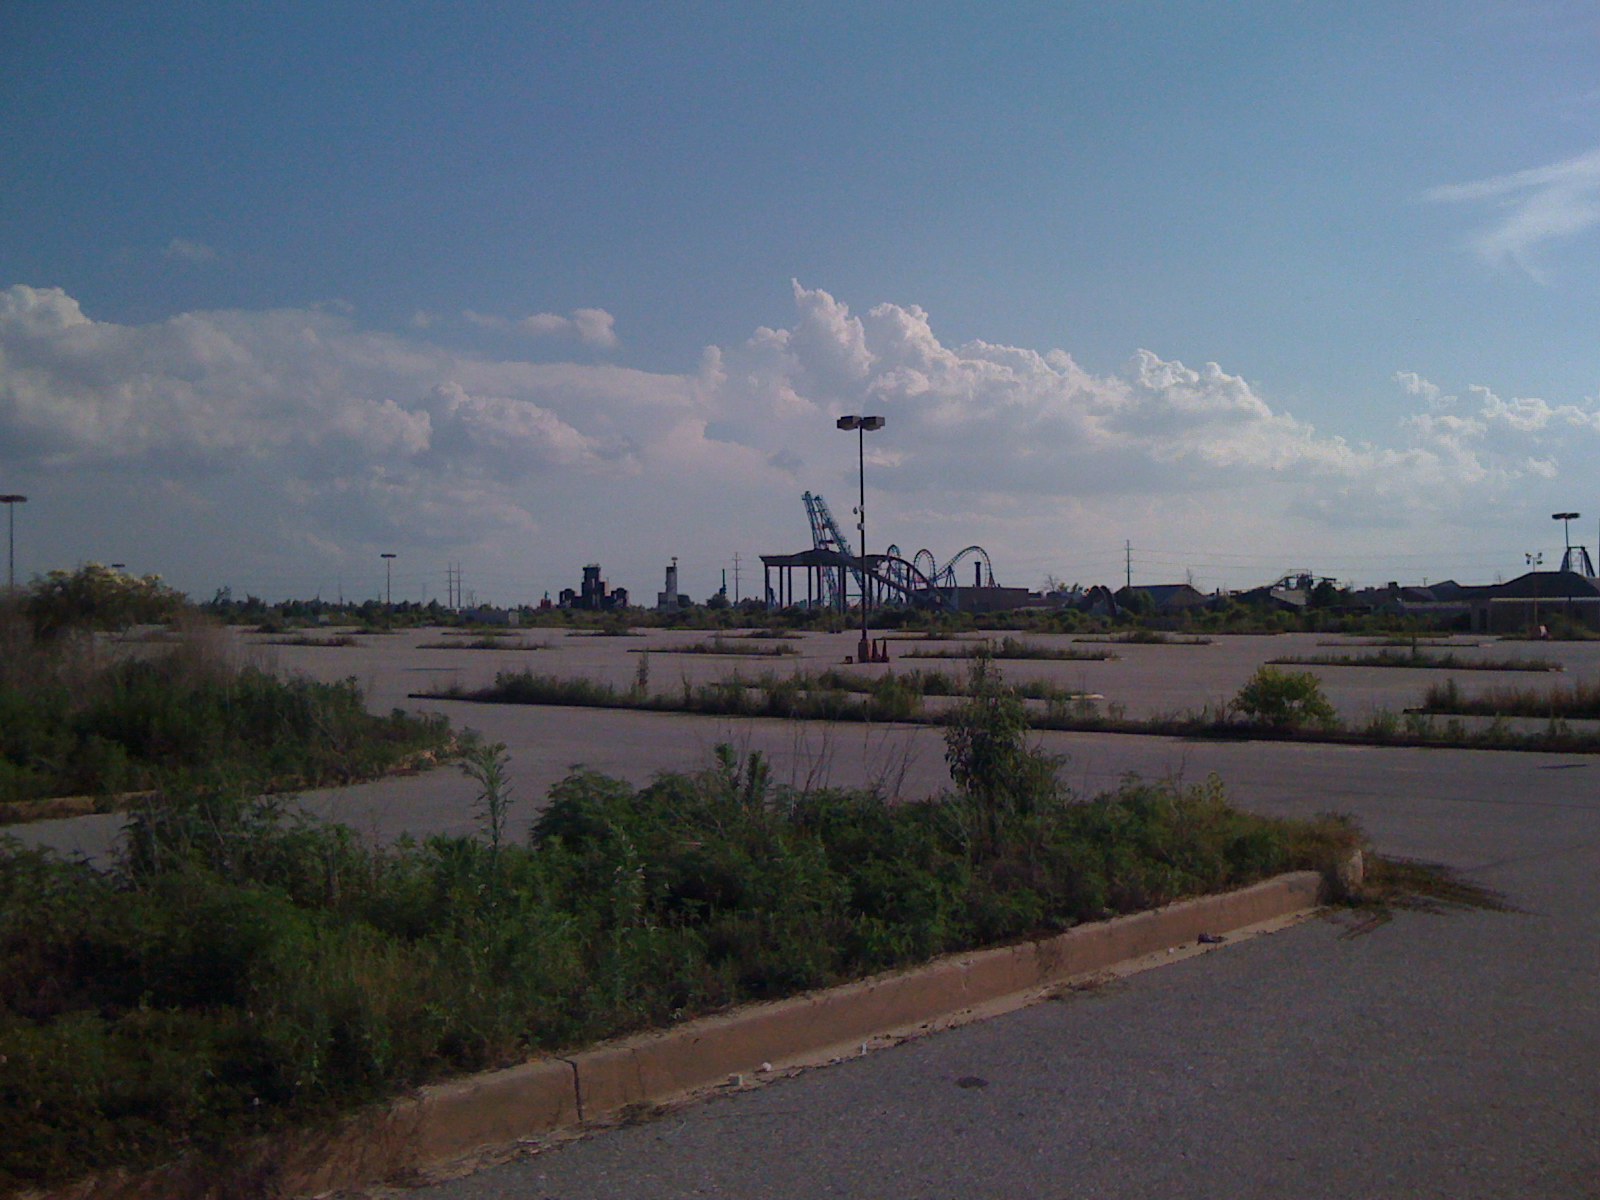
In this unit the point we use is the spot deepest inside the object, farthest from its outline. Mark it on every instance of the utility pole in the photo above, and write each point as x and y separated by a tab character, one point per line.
1127	550
388	587
736	577
11	503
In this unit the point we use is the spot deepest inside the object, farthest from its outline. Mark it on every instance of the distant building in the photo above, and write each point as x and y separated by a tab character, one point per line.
594	596
669	599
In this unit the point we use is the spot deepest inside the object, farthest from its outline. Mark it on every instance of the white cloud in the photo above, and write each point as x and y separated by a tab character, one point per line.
188	250
297	431
1536	206
1430	393
591	326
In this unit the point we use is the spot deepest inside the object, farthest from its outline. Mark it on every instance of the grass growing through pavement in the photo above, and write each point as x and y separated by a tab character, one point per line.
727	646
74	721
1147	637
490	642
243	967
305	639
1406	884
1581	700
795	697
1267	709
1015	648
1448	661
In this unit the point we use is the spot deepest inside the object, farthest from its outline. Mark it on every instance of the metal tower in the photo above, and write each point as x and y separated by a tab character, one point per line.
825	535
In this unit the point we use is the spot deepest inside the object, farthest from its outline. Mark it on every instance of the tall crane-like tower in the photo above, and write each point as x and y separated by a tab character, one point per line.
825	535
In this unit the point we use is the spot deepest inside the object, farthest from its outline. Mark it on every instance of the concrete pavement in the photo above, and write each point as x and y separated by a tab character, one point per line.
1450	1056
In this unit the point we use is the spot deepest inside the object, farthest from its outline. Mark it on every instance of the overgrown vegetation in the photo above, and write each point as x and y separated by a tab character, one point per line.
80	718
1284	700
96	597
730	647
1581	700
797	697
1015	648
1147	637
1277	705
242	966
490	642
1448	661
1406	884
331	642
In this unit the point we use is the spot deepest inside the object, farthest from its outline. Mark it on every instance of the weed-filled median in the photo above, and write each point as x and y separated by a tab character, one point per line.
1418	659
1010	647
1581	701
240	967
74	721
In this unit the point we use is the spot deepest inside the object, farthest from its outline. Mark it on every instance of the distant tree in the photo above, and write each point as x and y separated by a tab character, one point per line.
98	597
1136	602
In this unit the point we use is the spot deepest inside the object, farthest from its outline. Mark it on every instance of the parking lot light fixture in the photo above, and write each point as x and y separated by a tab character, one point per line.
862	425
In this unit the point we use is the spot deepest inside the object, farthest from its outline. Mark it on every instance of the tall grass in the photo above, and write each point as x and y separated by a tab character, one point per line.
1448	661
843	696
799	697
1015	648
77	719
1580	700
727	646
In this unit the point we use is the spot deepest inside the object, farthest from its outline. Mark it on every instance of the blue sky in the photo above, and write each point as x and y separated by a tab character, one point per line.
518	287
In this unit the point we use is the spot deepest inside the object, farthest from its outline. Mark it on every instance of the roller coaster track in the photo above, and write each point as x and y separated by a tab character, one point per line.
919	581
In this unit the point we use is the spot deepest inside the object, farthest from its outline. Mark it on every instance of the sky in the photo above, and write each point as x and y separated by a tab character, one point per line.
1221	291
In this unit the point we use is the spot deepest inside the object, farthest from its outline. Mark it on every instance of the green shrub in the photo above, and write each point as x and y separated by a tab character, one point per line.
1284	699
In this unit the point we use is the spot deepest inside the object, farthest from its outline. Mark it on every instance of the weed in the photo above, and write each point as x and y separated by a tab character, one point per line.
1581	700
1411	884
72	724
1419	659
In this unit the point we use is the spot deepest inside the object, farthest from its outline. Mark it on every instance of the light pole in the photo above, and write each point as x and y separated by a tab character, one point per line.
11	503
861	425
388	587
1535	561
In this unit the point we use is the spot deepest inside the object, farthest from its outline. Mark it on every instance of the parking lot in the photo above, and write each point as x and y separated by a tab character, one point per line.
1439	1055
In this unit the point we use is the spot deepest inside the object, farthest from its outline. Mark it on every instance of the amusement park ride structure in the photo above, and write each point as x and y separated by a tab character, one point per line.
889	578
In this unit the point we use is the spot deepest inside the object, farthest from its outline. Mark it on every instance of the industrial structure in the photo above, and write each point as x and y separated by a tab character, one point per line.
669	599
594	596
832	573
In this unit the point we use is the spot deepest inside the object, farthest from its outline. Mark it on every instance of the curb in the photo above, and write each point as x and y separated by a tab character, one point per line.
494	1111
487	1117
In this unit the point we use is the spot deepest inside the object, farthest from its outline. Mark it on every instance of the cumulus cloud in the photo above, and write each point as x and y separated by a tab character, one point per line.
1533	207
349	437
591	326
188	250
